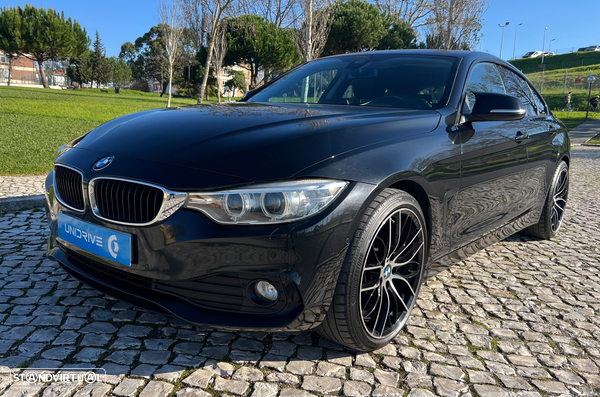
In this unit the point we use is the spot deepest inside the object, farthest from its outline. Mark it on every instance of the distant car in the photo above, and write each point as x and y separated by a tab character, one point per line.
533	54
547	53
592	48
581	49
321	199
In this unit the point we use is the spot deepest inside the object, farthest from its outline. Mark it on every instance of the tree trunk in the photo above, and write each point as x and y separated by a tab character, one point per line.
218	85
211	47
9	70
43	74
170	85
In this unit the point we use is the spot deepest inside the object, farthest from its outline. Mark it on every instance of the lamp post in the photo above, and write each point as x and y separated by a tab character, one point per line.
515	46
591	80
481	43
544	47
502	41
549	45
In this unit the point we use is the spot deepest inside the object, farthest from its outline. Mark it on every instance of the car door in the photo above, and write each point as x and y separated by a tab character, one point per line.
493	165
538	127
542	150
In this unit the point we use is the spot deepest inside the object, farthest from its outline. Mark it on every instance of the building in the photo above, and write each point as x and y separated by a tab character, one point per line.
24	71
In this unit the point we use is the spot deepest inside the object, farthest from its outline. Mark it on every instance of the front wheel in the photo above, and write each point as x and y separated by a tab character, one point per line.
554	207
381	275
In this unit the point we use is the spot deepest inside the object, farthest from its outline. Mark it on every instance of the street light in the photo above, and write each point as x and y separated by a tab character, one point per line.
481	43
502	42
544	47
549	44
515	46
591	80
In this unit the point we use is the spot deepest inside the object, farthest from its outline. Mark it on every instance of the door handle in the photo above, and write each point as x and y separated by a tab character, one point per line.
521	137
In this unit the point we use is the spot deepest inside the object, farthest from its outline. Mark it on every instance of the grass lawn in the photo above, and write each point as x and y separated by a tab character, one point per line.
35	122
573	119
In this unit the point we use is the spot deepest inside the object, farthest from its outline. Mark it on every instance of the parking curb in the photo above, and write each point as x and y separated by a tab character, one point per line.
21	203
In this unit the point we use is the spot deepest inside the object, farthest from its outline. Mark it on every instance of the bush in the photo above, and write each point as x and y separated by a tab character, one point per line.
140	85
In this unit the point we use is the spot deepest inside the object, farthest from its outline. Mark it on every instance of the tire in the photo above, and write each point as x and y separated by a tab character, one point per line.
554	207
377	287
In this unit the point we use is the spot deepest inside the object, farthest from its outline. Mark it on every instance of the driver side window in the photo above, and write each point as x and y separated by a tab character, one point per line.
484	78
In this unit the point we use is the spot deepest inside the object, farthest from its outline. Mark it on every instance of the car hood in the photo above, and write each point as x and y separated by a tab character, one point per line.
253	141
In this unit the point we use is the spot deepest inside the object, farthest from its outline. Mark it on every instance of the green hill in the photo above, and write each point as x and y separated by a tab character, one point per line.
554	62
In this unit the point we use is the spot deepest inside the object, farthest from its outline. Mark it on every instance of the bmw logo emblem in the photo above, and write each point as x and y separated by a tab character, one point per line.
103	163
388	271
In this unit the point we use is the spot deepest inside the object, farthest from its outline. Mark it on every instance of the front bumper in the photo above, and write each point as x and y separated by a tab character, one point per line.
204	273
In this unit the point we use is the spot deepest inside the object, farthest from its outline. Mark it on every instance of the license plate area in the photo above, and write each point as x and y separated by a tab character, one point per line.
106	243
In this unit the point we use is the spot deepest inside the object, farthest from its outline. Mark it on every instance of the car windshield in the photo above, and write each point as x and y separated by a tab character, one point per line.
382	80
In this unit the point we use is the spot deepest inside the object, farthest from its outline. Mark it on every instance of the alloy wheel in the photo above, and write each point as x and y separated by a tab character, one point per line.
391	273
561	192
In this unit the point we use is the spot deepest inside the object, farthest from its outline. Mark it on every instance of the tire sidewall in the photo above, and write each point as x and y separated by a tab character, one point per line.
356	259
550	200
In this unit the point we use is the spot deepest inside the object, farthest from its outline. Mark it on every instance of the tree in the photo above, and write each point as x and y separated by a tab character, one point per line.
146	57
44	35
283	13
260	47
10	33
413	12
171	22
220	50
455	24
80	70
121	72
206	15
399	36
312	36
357	26
101	69
237	82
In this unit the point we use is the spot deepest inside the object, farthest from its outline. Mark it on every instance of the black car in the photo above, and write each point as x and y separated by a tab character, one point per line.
321	200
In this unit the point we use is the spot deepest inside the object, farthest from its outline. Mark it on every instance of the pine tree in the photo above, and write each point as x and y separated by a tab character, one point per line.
101	68
42	35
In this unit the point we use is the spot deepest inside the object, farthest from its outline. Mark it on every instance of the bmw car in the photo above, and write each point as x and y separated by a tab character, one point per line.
322	200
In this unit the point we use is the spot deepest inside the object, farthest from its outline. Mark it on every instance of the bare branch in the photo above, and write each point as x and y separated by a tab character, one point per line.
311	37
171	22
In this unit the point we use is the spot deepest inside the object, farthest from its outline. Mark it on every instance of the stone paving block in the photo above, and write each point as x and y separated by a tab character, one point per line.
199	378
248	374
170	373
156	389
93	390
189	392
234	386
128	387
321	385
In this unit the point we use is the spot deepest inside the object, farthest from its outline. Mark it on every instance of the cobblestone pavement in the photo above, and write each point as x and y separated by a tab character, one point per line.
16	186
521	318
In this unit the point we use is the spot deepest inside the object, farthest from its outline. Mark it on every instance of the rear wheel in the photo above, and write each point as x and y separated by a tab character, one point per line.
381	275
554	208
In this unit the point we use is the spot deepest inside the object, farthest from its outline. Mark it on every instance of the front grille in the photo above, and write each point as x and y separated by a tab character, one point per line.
125	201
223	292
69	187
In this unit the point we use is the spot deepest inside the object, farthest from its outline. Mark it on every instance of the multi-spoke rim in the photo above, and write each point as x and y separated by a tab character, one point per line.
391	273
559	198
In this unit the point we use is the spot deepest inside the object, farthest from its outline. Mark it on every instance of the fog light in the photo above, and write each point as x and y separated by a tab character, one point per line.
266	291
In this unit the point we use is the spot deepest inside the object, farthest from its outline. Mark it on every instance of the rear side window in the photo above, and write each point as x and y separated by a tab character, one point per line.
519	88
484	77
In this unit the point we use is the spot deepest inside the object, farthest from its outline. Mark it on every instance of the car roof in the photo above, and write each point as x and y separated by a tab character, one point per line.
462	54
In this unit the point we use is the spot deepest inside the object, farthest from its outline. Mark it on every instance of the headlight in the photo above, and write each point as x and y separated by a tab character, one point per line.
269	203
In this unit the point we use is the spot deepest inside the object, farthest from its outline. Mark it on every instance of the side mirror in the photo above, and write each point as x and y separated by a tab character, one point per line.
490	106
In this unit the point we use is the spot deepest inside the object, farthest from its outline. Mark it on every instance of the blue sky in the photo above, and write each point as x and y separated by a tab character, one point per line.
572	23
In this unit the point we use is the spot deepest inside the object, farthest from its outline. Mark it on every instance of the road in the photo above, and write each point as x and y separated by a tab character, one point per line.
521	318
